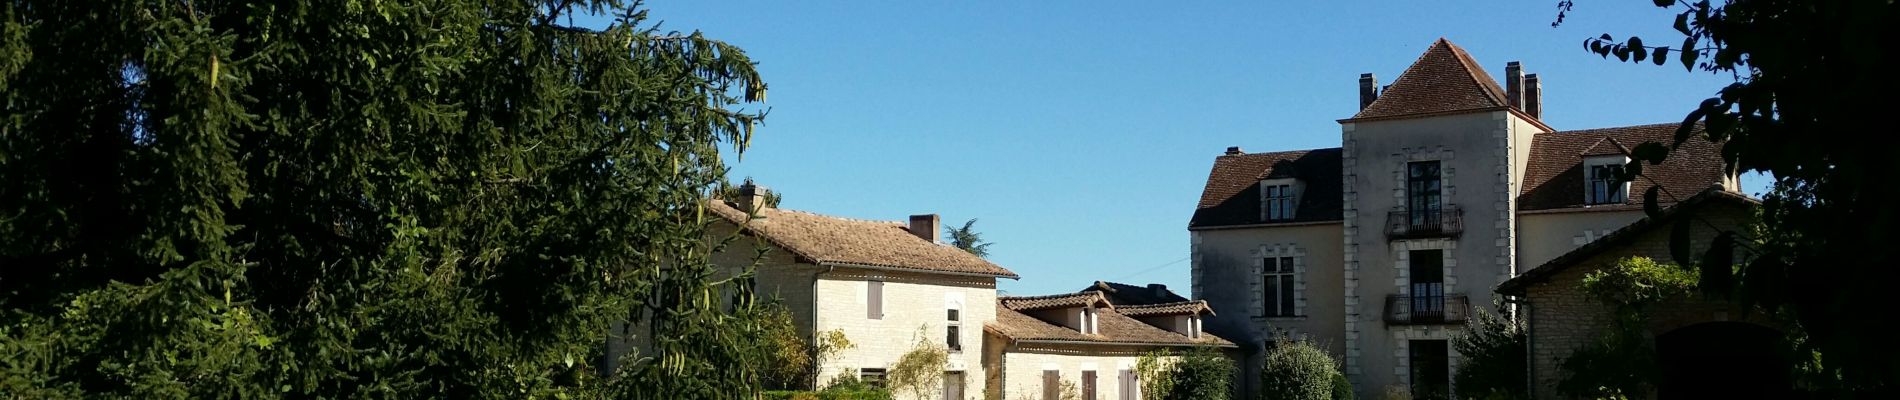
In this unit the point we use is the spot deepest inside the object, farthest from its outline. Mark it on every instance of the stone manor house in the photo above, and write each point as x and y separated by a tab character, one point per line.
1445	185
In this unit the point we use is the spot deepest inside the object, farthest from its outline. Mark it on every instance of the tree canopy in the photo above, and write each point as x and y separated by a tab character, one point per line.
1808	107
362	199
968	239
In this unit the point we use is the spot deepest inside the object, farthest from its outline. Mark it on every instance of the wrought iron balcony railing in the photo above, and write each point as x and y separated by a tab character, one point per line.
1448	221
1406	309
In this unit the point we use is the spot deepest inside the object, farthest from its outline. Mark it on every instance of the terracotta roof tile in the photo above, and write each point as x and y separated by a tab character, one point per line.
826	239
1232	194
1445	79
1115	329
1030	303
1554	179
1180	308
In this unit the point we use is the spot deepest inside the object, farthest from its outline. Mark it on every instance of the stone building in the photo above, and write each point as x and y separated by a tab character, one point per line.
1445	182
1708	348
886	285
1086	340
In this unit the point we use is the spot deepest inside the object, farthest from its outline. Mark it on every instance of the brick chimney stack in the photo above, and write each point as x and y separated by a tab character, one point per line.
1533	97
1514	85
1368	90
752	197
926	226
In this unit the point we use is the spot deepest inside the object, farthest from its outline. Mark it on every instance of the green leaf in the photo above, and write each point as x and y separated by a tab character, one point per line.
1665	3
1661	53
1682	22
1679	242
1622	53
1652	152
1718	266
1689	53
1687	129
1651	208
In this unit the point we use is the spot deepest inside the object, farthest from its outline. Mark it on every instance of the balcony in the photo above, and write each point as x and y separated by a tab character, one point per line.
1448	221
1403	309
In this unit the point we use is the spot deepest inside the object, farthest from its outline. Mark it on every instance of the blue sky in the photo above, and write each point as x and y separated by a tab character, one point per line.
1080	133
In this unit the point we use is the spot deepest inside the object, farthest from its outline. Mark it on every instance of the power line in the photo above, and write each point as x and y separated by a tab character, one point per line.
1152	269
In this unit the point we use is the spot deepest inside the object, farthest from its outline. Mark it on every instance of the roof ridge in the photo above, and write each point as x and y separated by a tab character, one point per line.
875	221
1431	85
1478	74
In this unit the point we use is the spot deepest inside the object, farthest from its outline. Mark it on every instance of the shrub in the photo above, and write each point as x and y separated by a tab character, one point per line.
1493	365
1342	388
1198	374
1296	370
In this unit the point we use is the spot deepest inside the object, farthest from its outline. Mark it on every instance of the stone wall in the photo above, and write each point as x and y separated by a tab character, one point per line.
915	307
1024	367
1562	318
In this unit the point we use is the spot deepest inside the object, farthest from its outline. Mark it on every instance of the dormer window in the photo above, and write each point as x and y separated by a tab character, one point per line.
1193	327
1089	324
1278	197
1601	184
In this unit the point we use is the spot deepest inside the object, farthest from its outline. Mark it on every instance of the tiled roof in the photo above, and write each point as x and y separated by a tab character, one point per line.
1028	303
1232	195
1555	179
1180	308
824	239
1114	327
1622	236
1122	294
1443	80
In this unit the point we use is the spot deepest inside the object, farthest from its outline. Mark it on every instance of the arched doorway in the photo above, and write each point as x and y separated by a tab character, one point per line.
1723	360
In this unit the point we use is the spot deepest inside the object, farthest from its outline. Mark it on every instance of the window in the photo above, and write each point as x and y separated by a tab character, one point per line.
874	298
1194	327
1088	322
1051	385
1431	370
1601	183
1278	292
872	376
1279	202
954	337
953	385
1088	385
1428	285
1423	201
1130	385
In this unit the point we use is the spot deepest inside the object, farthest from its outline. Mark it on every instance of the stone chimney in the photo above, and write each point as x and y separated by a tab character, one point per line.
926	226
1514	85
1533	97
752	197
1368	90
1233	150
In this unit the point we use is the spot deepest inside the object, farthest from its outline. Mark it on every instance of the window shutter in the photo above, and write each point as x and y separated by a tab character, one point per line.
1088	385
1259	302
1127	385
875	296
1051	385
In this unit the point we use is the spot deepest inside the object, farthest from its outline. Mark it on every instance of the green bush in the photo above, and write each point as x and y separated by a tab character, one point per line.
1297	370
1342	388
847	392
1493	364
1199	374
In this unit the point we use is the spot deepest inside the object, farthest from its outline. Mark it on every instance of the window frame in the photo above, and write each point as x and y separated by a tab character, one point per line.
953	330
1280	198
1278	279
1599	189
865	375
1424	193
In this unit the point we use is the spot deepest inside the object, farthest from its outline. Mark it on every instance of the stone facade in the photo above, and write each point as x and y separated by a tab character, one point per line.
915	309
1562	318
1023	374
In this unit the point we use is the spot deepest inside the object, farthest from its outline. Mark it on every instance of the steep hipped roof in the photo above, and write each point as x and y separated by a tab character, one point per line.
1444	80
1115	328
1232	195
1622	236
1554	179
1122	294
823	239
